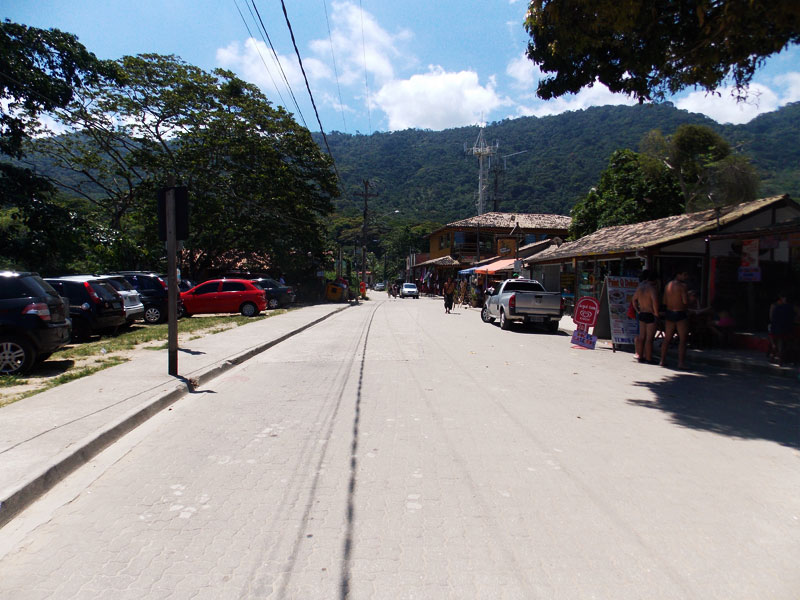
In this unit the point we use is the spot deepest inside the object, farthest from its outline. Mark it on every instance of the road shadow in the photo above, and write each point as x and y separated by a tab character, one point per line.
729	404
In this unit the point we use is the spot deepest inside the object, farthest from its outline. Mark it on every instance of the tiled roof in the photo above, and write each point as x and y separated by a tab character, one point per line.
500	220
639	236
442	261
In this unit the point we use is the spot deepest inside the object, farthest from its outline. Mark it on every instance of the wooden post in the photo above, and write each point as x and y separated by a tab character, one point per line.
172	280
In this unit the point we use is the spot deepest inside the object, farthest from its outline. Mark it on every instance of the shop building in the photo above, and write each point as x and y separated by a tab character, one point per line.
737	255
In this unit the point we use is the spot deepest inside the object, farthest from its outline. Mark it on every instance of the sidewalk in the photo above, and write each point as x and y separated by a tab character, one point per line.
45	437
732	359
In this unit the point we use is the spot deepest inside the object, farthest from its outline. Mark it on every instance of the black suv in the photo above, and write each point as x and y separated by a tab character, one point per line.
95	306
33	321
153	291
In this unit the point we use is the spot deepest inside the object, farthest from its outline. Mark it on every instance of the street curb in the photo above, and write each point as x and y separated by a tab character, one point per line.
17	499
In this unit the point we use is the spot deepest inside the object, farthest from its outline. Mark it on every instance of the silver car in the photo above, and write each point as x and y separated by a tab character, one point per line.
132	302
409	290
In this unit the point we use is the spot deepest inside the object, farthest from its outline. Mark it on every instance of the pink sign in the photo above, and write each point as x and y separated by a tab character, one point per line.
586	311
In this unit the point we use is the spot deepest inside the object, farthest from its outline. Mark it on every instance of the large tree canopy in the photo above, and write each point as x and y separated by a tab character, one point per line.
258	184
708	172
651	48
634	188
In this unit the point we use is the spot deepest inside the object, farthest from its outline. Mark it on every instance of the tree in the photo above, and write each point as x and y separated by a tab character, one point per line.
258	184
652	48
634	188
707	171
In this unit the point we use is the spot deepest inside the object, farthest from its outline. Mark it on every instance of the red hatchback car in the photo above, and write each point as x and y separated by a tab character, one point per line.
224	296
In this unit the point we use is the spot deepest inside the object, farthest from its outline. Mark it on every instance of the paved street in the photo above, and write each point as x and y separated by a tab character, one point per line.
393	451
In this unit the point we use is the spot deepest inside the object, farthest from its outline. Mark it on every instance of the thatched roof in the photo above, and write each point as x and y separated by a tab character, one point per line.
622	239
507	221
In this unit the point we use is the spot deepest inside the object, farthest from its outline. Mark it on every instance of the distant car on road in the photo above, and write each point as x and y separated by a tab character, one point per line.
224	296
380	287
409	290
33	321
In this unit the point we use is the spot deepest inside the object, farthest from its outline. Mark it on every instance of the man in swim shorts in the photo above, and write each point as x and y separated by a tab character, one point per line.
645	300
676	299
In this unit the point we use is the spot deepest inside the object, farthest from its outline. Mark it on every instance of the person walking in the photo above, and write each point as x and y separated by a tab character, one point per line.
448	290
676	317
645	301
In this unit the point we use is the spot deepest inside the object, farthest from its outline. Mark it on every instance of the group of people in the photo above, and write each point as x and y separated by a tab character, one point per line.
647	305
678	311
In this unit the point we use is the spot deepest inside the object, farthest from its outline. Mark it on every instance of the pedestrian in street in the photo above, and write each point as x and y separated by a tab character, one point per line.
676	299
449	290
645	301
781	328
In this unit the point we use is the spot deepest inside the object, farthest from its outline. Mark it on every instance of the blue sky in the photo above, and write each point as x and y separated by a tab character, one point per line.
372	65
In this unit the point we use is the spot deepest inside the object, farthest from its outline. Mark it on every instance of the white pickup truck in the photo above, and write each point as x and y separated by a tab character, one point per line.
523	300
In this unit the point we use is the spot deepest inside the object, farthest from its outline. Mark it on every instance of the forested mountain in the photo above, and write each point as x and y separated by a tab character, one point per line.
428	174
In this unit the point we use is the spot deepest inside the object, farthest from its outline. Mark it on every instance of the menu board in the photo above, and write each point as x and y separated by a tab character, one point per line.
620	293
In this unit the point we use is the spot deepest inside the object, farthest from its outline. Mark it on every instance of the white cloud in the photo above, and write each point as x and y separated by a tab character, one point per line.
724	107
351	27
437	100
524	73
254	62
790	82
597	95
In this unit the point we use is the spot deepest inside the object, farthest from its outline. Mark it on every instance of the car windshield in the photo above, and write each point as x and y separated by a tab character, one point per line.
257	285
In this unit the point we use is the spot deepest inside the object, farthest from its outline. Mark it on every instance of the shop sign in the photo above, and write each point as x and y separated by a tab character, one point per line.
749	274
750	254
620	294
581	337
586	310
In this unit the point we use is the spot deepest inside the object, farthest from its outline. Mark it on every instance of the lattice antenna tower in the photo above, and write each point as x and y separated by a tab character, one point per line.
484	152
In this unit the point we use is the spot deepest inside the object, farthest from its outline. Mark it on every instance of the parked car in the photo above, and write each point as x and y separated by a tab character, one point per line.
134	308
153	291
409	290
525	301
278	294
184	285
224	296
95	307
33	321
380	287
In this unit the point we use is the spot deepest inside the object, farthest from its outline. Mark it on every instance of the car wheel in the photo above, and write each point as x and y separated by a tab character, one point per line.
504	322
249	309
16	355
152	315
485	317
273	303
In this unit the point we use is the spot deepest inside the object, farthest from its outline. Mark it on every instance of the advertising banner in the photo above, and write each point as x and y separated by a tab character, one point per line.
620	293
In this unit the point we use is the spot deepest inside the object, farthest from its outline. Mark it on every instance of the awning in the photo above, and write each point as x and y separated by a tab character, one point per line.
503	264
469	271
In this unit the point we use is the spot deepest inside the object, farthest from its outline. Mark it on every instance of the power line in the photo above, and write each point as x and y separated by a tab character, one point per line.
366	78
335	70
308	87
280	66
261	56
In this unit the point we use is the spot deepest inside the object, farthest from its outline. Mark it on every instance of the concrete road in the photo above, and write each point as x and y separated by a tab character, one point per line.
394	451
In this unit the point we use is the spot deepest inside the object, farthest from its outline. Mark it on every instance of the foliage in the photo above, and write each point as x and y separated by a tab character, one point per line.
634	188
652	48
258	184
706	170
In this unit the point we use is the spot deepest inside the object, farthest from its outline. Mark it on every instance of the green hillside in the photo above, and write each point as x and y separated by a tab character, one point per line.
427	174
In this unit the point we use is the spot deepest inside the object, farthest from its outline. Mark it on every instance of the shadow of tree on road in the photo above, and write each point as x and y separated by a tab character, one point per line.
742	406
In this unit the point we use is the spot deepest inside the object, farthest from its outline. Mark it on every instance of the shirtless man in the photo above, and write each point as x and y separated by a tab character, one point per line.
645	300
676	299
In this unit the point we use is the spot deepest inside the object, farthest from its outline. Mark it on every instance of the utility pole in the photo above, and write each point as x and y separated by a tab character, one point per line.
172	281
366	195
